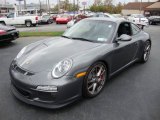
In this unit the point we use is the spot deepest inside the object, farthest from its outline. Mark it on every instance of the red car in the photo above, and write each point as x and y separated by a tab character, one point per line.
63	19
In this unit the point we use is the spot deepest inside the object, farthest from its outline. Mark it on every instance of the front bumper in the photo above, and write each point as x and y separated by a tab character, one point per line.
10	36
24	88
62	21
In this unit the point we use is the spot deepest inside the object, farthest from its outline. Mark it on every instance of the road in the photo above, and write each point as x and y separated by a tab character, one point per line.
43	28
132	95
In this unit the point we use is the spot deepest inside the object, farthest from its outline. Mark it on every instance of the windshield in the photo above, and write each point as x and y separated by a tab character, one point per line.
46	16
91	30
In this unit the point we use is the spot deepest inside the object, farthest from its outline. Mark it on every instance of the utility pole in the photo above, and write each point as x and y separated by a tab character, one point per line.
40	7
140	6
74	7
25	7
58	4
5	2
49	7
77	6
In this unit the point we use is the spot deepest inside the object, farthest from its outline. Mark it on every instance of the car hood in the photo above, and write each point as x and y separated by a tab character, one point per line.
6	28
46	54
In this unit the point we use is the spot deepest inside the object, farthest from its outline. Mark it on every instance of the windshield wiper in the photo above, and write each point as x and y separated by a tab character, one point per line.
83	39
66	37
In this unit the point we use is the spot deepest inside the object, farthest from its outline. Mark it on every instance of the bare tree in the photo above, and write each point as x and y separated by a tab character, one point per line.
98	2
107	2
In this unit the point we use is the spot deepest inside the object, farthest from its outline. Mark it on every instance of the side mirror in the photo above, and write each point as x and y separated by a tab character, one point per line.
124	37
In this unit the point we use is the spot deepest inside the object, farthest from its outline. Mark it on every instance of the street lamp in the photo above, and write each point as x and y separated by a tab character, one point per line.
49	6
20	7
140	6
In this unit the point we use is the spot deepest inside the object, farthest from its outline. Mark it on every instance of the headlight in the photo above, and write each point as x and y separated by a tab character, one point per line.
21	53
62	68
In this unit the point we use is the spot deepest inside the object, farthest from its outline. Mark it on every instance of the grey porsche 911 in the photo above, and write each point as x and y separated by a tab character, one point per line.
55	72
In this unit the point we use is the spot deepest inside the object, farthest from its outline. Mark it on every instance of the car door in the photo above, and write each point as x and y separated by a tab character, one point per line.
10	19
124	51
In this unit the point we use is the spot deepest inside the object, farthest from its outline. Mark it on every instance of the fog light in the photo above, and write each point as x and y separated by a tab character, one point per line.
47	88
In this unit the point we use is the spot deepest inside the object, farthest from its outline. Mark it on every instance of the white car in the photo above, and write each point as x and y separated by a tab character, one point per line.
15	19
138	19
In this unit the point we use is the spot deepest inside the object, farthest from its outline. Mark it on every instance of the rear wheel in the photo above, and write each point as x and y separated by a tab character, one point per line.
95	80
28	23
146	52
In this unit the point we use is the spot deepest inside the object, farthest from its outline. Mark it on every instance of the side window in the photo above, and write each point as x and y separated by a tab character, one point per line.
135	29
10	15
124	28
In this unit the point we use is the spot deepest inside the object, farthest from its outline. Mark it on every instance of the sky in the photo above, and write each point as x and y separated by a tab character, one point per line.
89	2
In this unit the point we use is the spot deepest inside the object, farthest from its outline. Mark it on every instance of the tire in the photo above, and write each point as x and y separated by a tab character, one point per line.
28	23
95	80
2	23
49	22
150	22
146	52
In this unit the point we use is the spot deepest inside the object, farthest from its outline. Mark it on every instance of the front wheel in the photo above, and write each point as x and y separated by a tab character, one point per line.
2	23
95	80
146	52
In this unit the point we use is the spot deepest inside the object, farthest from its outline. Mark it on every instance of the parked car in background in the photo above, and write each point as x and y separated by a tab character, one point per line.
153	20
47	19
102	15
64	18
138	19
8	33
117	15
15	19
76	19
54	16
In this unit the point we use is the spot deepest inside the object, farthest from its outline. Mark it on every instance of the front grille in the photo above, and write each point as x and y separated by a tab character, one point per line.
23	92
31	94
20	70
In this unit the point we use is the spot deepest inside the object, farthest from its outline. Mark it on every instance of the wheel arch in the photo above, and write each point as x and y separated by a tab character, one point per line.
107	65
3	22
149	41
28	20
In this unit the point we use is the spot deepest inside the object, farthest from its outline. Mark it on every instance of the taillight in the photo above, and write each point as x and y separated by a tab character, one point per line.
37	18
2	32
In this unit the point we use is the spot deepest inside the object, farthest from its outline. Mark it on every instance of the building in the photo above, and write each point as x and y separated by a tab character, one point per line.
6	8
135	7
153	9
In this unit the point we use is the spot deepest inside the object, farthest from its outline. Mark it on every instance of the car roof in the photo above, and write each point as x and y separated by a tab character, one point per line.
116	20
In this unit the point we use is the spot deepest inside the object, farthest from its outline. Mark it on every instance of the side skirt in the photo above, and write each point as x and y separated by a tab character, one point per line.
122	68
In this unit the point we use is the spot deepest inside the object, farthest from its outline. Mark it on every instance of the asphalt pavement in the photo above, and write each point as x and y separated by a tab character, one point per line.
134	94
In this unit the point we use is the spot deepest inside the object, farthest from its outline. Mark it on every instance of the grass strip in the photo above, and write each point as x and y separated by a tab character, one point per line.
37	34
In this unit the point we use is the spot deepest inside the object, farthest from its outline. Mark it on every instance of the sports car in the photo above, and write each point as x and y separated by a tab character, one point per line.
55	72
64	19
8	33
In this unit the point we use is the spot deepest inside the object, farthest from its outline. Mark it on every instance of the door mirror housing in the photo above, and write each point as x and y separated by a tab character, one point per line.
124	37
